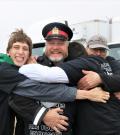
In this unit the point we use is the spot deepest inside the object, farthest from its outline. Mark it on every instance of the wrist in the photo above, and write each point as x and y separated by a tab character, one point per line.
82	94
40	115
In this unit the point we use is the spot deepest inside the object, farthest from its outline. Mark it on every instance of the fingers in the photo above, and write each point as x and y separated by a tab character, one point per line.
63	118
31	60
117	95
55	120
59	110
36	57
98	95
85	72
87	82
56	130
106	96
61	127
99	100
63	122
102	101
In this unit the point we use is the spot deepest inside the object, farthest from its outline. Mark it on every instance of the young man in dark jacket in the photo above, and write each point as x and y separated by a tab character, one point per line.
19	48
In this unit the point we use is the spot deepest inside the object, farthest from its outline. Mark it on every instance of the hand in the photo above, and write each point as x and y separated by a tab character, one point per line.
117	94
32	60
55	120
90	80
98	95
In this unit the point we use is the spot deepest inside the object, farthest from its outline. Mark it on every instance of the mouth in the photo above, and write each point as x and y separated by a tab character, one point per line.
55	52
19	59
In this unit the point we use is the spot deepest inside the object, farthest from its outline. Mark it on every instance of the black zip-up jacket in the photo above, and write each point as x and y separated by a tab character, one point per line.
7	84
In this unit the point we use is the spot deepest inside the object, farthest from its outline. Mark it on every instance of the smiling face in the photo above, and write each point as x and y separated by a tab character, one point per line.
19	52
56	50
19	47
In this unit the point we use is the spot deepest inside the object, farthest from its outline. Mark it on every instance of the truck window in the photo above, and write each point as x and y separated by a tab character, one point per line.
38	49
115	50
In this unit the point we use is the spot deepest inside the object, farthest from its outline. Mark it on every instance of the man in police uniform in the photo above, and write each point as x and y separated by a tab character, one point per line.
57	36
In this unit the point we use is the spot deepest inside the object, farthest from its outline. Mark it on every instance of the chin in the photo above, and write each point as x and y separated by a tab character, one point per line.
56	59
19	64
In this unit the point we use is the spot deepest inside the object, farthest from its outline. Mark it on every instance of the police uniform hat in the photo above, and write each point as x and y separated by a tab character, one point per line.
57	30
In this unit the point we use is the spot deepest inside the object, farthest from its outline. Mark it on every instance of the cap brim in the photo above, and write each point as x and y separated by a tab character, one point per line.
99	46
56	37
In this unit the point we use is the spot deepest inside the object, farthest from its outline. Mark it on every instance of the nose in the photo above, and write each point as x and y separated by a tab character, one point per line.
55	46
98	52
20	51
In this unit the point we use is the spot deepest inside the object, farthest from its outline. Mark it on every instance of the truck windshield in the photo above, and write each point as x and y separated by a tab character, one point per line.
114	51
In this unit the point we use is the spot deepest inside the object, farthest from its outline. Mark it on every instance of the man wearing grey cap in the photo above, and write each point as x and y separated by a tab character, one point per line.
97	45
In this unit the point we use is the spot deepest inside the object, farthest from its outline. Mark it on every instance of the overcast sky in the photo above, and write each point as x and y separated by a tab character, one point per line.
23	13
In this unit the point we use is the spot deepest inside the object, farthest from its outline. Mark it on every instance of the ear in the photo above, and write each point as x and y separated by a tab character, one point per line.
7	53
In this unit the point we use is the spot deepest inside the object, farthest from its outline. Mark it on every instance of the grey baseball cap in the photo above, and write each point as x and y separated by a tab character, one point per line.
97	41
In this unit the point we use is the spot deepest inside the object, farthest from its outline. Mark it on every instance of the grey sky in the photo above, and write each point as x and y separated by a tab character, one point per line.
23	13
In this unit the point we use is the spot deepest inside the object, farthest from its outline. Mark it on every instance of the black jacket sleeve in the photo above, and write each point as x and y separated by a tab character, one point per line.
74	68
27	108
9	77
112	82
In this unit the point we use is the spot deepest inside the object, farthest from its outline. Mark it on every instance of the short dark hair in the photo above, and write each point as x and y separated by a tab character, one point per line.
75	50
19	36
